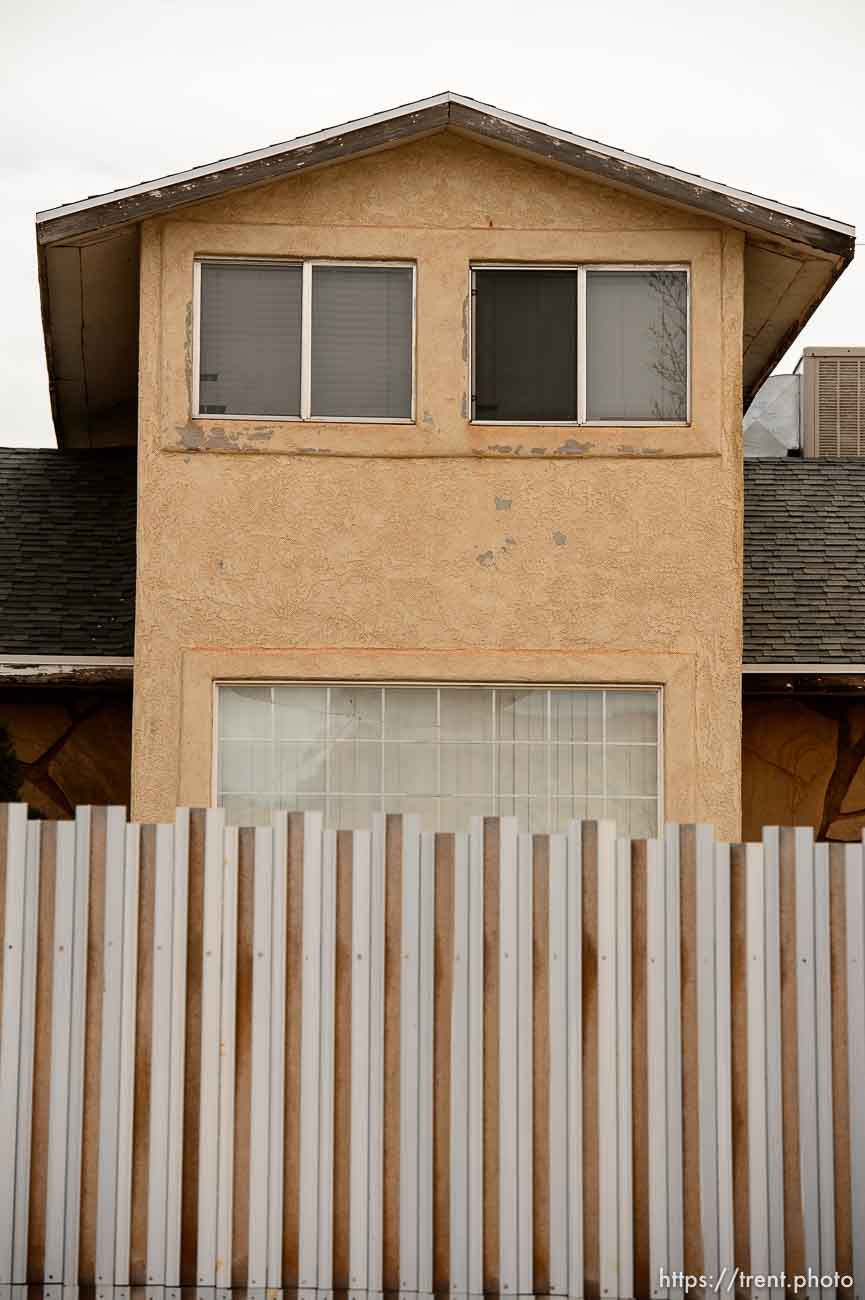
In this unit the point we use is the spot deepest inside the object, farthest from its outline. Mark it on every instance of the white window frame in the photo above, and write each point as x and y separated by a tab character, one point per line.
306	265
439	684
581	269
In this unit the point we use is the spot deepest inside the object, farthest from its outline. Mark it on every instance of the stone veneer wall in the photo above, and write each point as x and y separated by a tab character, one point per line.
802	764
74	745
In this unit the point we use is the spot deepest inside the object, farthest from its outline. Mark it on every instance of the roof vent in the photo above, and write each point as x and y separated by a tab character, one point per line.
833	401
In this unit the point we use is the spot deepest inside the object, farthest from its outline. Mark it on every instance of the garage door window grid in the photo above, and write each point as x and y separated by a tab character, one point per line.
543	754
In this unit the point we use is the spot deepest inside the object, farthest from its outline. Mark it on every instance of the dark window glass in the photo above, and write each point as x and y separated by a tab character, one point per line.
249	339
637	345
361	342
525	345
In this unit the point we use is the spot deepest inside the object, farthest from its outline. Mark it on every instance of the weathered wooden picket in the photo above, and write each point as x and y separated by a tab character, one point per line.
391	1061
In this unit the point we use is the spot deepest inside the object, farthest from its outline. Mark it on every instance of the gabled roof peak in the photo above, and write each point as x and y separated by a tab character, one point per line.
426	116
89	253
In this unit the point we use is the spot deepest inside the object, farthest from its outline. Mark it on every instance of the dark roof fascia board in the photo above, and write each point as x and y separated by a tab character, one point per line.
157	197
425	117
807	670
665	183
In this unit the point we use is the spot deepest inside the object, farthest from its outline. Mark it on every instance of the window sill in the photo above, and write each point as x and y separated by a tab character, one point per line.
210	416
580	424
449	439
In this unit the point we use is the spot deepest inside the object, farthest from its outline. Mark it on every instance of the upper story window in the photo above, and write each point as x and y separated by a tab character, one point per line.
580	345
305	340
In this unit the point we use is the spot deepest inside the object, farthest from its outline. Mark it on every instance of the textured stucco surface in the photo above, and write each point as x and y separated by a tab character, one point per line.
394	558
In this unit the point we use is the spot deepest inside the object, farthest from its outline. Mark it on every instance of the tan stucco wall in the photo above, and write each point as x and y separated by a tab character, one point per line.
435	551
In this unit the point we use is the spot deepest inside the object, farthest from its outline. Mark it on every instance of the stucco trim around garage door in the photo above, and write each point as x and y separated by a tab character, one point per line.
674	674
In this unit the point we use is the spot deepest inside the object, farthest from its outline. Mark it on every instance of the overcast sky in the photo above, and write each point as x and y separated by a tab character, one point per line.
766	95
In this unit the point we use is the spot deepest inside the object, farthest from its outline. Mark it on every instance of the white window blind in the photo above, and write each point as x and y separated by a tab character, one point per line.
250	338
445	752
361	342
305	340
637	345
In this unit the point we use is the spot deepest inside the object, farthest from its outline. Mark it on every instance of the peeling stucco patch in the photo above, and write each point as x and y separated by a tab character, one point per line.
187	356
488	558
190	437
570	447
560	539
193	438
503	503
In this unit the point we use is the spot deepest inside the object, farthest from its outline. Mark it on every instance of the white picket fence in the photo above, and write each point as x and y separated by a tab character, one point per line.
388	1060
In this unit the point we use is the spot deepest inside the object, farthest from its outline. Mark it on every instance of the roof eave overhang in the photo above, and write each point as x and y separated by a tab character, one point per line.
426	117
76	224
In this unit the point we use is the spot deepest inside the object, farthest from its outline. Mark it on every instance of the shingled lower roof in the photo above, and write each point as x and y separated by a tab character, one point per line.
67	552
804	561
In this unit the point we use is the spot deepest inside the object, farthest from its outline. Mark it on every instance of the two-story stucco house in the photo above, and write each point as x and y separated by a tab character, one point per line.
439	460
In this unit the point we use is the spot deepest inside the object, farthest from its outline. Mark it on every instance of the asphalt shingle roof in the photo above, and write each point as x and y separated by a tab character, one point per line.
804	561
67	551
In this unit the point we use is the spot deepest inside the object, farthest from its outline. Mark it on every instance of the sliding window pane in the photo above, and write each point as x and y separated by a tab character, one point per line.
249	339
637	345
361	342
525	365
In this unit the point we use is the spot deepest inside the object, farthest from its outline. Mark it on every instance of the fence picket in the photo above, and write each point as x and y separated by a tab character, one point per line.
806	1037
61	1062
360	1060
112	1029
574	878
459	1078
271	849
409	1073
211	981
509	1208
855	909
559	1111
673	1022
724	1059
16	1044
126	1079
823	1015
609	1064
707	1029
376	1059
310	1052
261	1146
